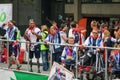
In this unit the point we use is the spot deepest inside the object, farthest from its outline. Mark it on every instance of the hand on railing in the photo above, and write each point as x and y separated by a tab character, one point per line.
82	47
98	49
46	42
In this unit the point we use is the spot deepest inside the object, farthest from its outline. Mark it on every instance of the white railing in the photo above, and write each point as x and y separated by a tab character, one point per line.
106	60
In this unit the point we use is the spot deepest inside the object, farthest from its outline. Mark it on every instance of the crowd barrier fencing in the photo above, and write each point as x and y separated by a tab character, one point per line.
106	68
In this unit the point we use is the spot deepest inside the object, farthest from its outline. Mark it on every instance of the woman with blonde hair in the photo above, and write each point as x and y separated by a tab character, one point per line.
44	48
106	35
109	41
94	24
117	34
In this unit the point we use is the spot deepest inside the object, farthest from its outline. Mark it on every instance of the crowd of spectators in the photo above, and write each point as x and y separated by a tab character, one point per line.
67	32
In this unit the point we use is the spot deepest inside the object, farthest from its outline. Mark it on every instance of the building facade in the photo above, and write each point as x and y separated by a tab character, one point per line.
41	10
93	8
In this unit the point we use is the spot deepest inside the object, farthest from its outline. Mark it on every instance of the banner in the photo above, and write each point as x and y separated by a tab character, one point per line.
17	75
82	23
5	13
58	72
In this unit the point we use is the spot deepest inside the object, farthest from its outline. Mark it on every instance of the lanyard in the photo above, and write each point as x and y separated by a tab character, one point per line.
9	33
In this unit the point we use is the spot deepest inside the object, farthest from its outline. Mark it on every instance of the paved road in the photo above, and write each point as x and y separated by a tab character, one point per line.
25	68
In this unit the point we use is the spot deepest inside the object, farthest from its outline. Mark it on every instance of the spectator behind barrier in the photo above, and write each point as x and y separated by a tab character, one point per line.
33	34
68	56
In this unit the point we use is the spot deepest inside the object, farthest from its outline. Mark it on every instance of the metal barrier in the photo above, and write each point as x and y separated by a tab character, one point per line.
106	68
8	50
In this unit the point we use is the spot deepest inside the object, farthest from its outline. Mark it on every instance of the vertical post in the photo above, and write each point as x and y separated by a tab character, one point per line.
50	58
28	56
106	57
77	62
0	47
8	51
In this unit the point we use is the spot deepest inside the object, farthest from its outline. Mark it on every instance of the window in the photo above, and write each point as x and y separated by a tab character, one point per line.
115	0
70	16
69	1
96	1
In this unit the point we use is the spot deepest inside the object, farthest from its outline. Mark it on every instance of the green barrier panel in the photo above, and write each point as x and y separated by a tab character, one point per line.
29	76
6	74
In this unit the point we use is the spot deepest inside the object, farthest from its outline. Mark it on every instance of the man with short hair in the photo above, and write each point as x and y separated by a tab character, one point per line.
56	50
68	56
11	34
94	52
33	34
